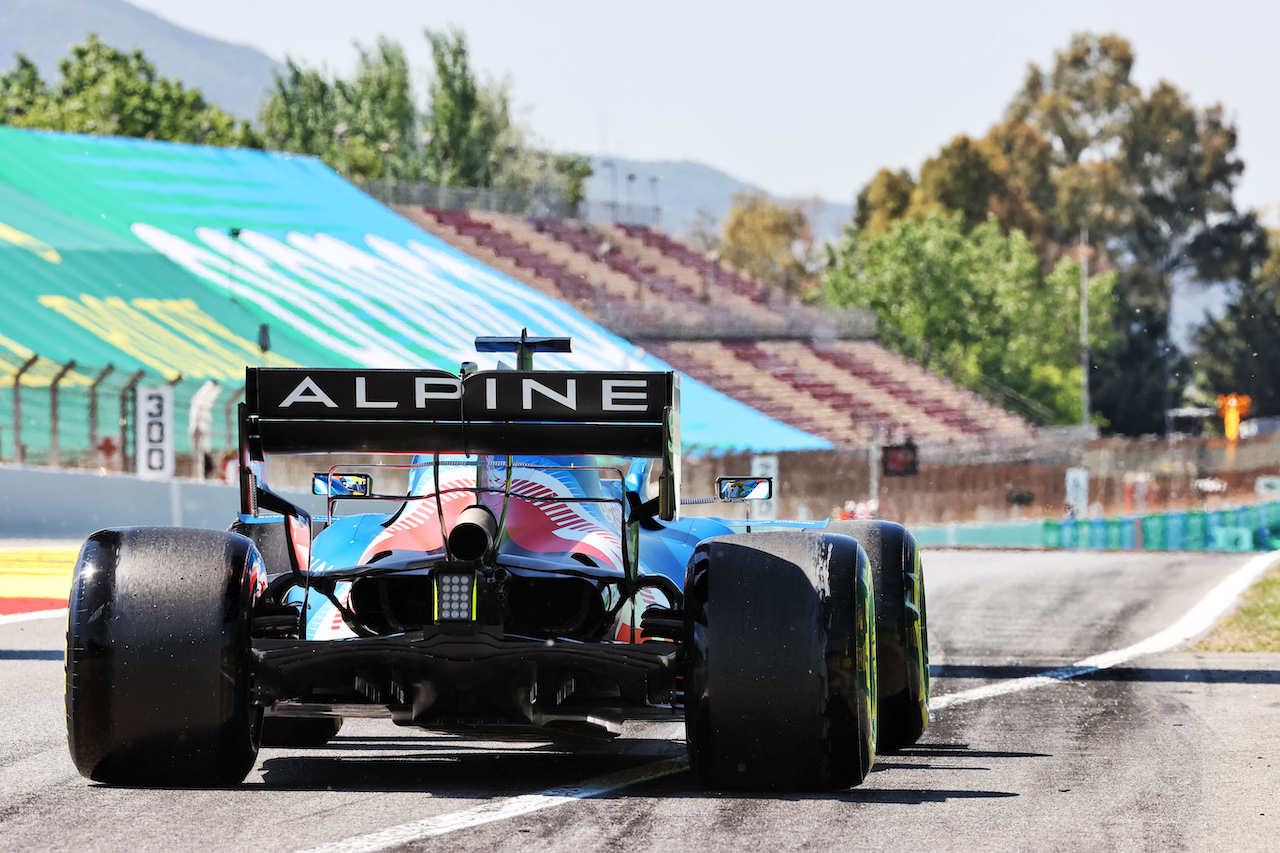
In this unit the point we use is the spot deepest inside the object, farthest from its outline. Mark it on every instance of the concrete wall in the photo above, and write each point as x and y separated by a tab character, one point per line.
49	503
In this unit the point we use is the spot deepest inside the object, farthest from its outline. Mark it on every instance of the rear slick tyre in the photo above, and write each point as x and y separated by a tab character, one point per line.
158	657
780	681
902	639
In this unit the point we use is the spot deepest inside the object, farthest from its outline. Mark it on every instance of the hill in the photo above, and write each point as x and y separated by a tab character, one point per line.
231	75
684	187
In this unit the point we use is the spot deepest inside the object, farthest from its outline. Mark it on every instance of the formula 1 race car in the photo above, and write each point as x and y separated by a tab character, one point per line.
533	579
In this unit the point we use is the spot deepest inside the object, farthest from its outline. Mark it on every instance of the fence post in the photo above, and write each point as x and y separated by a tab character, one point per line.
53	411
200	426
19	454
93	405
126	399
233	438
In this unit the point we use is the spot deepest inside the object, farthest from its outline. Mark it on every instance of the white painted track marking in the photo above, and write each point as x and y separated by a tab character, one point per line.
1197	620
498	810
35	614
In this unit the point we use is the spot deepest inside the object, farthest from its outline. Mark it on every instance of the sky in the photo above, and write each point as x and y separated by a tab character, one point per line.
802	98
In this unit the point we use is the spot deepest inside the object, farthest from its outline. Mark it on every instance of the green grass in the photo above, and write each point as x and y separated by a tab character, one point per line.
1255	627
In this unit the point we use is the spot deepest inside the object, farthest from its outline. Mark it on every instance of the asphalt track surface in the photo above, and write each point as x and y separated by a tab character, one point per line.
1164	751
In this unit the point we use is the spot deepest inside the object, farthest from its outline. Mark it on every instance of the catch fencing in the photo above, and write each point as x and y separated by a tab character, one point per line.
508	202
544	204
77	416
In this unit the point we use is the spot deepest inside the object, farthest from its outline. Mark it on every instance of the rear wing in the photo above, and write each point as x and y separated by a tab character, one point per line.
499	413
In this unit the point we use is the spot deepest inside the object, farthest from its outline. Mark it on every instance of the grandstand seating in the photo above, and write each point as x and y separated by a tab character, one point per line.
682	254
841	390
511	256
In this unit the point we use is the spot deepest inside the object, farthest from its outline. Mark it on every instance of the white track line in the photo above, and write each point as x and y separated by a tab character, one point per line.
35	614
497	810
1197	620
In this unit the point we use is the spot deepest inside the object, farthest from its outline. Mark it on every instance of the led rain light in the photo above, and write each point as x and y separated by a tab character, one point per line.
455	596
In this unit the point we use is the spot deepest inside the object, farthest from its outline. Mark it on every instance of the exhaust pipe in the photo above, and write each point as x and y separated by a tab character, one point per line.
472	537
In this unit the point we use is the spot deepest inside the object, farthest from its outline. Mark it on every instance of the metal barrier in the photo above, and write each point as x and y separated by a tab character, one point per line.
540	205
659	320
57	415
509	202
623	212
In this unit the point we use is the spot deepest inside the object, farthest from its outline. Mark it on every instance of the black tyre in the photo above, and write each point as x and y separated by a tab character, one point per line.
299	731
902	639
158	657
780	684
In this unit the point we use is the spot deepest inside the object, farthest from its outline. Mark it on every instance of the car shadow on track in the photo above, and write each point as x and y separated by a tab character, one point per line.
30	654
454	768
463	771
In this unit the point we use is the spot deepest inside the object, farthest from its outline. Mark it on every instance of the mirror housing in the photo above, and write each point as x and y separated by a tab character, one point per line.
341	485
744	488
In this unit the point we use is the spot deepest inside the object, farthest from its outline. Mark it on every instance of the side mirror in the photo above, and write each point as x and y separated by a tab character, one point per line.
744	488
342	485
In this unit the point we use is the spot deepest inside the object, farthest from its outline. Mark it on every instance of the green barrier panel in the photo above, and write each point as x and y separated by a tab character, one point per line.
1195	533
1115	534
1098	533
1070	533
1250	517
1232	539
1175	531
1129	528
1153	533
1213	522
1189	531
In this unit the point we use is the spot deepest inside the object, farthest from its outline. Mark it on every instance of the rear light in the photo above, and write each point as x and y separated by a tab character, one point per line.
455	597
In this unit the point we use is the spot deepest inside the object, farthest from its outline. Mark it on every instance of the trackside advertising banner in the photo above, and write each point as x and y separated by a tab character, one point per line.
170	258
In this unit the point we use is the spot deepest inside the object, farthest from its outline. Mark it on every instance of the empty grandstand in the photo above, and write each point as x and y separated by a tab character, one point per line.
128	263
820	371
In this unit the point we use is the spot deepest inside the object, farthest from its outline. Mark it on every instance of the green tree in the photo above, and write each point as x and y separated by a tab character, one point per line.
573	170
883	200
1083	105
369	126
769	242
1152	177
462	131
977	297
362	126
963	178
107	92
1240	351
1005	174
1023	159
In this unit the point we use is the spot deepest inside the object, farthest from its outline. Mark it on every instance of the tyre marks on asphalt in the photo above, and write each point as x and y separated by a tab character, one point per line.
1197	620
496	810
